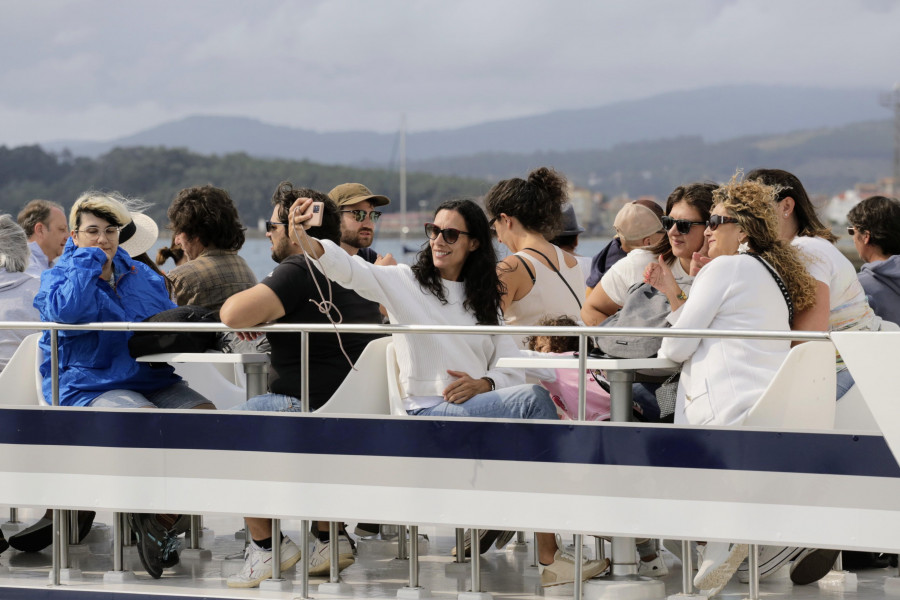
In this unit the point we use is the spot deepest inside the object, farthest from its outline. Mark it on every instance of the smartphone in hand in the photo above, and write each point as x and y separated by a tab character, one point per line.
316	209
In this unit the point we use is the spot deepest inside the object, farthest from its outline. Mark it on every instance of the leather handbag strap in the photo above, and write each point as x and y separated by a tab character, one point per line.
552	266
781	285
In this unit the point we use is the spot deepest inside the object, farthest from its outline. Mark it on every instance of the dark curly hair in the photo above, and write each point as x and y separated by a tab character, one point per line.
787	185
697	195
880	216
479	273
535	202
284	197
208	214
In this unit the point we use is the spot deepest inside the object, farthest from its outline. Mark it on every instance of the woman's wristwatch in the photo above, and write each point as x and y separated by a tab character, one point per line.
491	382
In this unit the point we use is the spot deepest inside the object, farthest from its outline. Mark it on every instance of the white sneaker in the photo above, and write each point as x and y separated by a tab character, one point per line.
562	569
653	568
320	559
720	561
771	558
258	564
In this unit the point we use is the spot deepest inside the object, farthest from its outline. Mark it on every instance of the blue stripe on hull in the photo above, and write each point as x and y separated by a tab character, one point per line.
630	445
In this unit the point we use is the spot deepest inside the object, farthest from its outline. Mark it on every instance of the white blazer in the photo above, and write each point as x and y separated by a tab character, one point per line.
721	379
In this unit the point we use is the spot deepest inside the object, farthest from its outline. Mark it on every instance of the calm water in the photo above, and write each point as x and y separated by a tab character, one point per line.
256	251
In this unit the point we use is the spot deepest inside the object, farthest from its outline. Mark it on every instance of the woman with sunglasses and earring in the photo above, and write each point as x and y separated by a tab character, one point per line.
453	282
687	210
540	278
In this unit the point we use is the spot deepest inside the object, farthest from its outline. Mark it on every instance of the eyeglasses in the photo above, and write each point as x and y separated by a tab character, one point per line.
851	231
716	220
450	234
271	225
491	226
360	215
682	225
93	233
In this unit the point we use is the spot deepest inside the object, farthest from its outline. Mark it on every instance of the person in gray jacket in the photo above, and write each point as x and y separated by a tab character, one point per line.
17	288
875	227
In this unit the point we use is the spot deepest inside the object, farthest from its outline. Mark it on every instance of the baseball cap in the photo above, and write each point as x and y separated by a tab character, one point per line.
636	220
351	193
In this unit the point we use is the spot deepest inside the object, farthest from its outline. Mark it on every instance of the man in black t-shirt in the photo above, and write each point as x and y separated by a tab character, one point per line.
290	295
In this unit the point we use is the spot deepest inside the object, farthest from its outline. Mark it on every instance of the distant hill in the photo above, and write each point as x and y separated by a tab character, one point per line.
827	160
713	114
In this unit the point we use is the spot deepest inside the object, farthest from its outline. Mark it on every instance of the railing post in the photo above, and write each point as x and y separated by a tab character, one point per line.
335	574
460	545
413	556
474	538
304	560
304	371
57	539
582	387
54	365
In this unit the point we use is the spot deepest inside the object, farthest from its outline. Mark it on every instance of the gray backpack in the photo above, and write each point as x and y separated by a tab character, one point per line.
645	306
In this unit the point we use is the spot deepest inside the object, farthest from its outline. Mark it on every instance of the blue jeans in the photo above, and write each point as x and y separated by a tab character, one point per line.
844	383
271	403
178	395
517	402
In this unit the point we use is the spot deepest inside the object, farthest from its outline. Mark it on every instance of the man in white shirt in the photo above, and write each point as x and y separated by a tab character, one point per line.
45	225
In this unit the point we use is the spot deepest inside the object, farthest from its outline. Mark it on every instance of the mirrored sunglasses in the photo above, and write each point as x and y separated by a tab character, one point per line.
359	215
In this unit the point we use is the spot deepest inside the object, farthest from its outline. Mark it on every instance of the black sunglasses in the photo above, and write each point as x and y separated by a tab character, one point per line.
682	225
271	225
716	220
360	215
851	231
450	234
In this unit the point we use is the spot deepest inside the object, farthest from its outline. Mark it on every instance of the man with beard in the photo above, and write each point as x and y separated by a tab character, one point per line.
358	217
290	295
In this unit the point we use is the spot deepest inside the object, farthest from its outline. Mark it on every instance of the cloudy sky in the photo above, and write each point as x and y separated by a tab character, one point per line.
100	69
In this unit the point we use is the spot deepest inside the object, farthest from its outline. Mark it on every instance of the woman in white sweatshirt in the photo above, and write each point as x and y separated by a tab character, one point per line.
453	282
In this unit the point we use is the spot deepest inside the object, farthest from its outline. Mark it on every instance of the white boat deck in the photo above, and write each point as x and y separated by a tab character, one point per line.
507	573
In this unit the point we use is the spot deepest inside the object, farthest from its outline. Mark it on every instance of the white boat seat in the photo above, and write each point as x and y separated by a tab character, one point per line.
365	388
801	395
853	412
395	391
17	380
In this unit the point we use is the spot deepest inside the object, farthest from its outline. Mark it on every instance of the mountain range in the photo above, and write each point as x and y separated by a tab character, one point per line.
711	114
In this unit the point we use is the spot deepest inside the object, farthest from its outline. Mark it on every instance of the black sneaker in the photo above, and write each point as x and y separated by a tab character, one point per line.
812	565
157	548
3	543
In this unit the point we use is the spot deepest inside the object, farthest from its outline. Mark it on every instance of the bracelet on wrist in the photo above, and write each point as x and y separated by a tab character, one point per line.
682	296
491	383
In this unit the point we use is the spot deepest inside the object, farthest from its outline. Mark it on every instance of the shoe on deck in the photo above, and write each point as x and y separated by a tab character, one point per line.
503	539
812	565
486	537
3	543
157	547
653	568
40	534
258	564
771	558
720	561
562	569
366	530
320	559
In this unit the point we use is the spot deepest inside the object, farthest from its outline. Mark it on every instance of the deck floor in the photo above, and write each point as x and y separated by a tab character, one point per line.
507	574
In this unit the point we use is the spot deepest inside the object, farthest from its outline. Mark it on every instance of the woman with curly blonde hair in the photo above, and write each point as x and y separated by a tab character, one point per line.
754	281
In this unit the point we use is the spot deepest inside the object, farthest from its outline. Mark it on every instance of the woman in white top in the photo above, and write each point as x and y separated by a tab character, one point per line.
687	210
841	303
540	279
453	282
721	379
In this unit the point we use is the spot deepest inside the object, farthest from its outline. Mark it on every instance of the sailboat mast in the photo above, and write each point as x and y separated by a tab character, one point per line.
403	228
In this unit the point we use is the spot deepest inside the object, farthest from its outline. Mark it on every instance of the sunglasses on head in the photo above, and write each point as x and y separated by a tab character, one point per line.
682	225
271	225
716	220
450	234
360	215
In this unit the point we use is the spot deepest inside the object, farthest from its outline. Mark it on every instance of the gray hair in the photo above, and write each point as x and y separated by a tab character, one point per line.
14	250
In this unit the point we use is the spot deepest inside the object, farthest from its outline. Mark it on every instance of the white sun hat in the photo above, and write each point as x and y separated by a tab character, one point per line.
145	235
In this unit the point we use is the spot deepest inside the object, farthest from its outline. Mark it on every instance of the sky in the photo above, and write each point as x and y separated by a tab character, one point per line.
101	69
